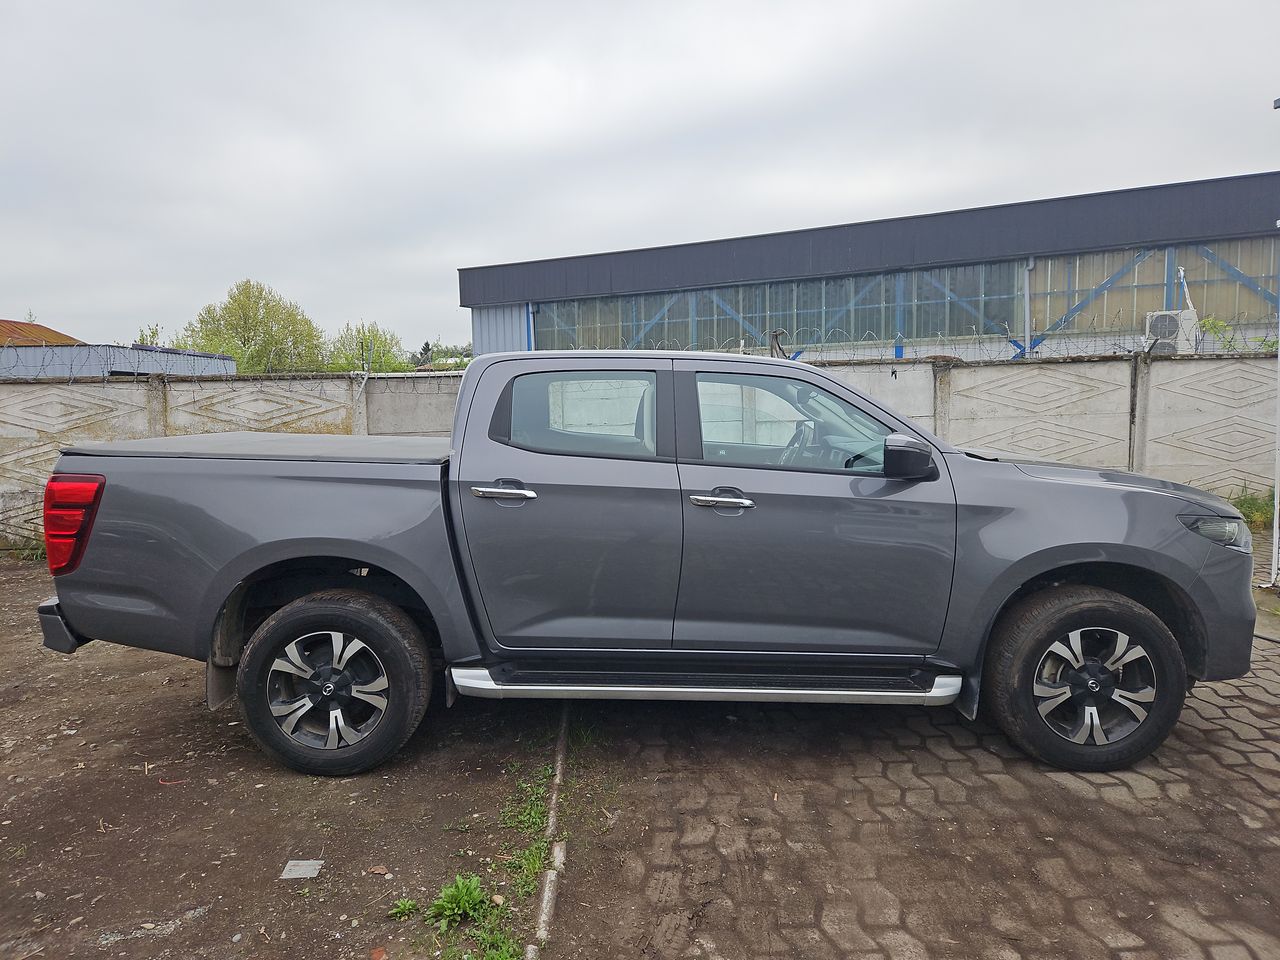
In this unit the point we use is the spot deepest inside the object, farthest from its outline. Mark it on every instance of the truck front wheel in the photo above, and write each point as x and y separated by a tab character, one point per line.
335	682
1084	678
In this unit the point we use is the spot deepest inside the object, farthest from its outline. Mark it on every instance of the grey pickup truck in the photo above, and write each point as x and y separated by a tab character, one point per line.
650	526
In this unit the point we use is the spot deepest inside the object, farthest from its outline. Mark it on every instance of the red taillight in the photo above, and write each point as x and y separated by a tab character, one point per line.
70	501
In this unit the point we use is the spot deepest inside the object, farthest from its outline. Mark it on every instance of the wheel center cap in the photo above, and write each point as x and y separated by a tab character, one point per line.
328	688
1093	685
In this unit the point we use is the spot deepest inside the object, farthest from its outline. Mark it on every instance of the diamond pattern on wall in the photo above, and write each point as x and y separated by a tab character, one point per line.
1039	389
33	463
1043	439
263	409
21	516
54	409
1234	438
1233	384
1232	480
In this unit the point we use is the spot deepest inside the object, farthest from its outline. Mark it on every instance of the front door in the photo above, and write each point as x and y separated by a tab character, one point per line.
570	503
793	538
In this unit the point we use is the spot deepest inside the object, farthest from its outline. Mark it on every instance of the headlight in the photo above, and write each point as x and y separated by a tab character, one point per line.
1224	530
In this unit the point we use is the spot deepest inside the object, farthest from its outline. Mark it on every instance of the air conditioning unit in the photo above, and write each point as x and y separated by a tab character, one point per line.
1173	331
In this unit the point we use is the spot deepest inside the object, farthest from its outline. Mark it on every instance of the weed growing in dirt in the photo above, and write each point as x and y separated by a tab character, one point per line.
464	911
462	900
1257	506
526	866
31	551
583	733
403	909
526	811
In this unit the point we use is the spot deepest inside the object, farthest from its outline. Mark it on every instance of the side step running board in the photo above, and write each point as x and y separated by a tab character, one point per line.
477	682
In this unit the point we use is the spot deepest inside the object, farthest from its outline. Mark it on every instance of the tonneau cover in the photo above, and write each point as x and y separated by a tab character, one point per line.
276	446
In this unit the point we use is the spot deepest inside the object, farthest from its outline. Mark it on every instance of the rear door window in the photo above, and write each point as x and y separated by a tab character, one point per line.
593	413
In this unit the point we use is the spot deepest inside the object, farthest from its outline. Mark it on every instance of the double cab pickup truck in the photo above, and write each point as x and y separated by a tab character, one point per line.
650	526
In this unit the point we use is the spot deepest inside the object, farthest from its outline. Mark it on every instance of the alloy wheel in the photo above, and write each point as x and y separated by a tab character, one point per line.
328	690
1094	686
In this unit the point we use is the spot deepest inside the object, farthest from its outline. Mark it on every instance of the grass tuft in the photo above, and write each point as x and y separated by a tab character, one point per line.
32	550
403	909
464	910
526	811
1257	506
526	866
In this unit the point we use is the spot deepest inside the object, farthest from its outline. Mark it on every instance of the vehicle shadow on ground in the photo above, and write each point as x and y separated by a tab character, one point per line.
744	830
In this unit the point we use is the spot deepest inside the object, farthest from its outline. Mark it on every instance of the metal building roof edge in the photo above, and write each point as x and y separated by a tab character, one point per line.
831	234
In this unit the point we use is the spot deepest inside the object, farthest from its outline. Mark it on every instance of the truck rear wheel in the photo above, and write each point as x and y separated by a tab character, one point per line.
335	682
1084	678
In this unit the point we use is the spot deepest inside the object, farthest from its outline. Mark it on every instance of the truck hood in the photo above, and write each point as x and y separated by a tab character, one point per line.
1102	477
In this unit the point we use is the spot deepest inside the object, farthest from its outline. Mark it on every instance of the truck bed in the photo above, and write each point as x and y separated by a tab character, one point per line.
337	448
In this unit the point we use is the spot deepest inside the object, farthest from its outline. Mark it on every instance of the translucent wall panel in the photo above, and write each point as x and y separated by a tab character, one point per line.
1105	292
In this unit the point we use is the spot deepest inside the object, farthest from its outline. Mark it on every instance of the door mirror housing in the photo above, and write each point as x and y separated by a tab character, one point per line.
908	458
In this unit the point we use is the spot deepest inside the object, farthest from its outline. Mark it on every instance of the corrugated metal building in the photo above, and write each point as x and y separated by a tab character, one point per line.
1019	275
30	351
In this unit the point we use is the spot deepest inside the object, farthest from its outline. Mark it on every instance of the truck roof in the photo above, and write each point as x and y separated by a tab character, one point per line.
702	356
245	445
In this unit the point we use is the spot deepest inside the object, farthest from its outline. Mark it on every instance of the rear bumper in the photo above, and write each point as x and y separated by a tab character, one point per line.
58	635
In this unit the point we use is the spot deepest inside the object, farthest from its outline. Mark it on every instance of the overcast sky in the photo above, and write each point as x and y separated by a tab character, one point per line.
354	155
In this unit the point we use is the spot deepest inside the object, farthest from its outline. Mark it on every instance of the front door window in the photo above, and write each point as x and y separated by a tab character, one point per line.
762	421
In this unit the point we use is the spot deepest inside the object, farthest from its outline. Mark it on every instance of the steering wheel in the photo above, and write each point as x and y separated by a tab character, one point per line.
798	442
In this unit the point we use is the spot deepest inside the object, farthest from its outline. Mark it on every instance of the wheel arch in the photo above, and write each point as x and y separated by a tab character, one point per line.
266	588
1152	589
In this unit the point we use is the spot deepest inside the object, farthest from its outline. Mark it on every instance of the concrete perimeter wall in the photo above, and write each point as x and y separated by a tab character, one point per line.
1207	421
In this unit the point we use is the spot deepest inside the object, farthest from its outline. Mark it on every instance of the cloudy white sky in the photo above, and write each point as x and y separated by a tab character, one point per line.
354	156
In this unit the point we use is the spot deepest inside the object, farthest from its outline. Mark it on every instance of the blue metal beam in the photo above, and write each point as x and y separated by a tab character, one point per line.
1239	276
858	298
656	319
965	306
742	321
1092	295
899	313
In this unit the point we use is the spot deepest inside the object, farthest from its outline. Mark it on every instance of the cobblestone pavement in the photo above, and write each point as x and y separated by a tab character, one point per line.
737	831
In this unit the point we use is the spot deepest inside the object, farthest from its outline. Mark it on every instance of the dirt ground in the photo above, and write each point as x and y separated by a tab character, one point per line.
135	823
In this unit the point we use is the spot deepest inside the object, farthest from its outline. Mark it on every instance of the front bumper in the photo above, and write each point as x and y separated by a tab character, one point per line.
1224	594
58	635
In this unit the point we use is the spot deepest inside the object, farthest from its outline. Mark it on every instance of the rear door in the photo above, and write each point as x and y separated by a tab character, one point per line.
570	503
793	538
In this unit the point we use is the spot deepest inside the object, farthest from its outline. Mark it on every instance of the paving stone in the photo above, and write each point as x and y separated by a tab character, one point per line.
910	833
840	923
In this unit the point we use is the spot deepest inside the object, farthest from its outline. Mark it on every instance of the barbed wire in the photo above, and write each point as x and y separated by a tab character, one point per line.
1085	336
1090	336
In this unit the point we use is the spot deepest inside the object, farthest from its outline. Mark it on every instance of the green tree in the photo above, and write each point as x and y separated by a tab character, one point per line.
263	331
366	346
458	353
151	335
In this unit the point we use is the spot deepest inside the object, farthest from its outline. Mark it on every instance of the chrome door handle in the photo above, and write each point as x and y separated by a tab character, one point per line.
504	493
701	501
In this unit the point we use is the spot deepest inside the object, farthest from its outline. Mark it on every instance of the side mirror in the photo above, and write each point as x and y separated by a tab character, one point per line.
908	458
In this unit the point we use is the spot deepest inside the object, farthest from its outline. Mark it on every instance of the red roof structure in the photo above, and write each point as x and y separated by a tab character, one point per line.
23	333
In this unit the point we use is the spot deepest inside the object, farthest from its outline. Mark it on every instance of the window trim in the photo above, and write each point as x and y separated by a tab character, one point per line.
664	415
689	446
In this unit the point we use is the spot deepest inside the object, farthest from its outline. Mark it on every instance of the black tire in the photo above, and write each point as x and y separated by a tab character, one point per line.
389	663
1031	667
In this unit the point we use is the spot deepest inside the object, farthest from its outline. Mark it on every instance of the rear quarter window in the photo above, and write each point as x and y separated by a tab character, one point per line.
601	413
